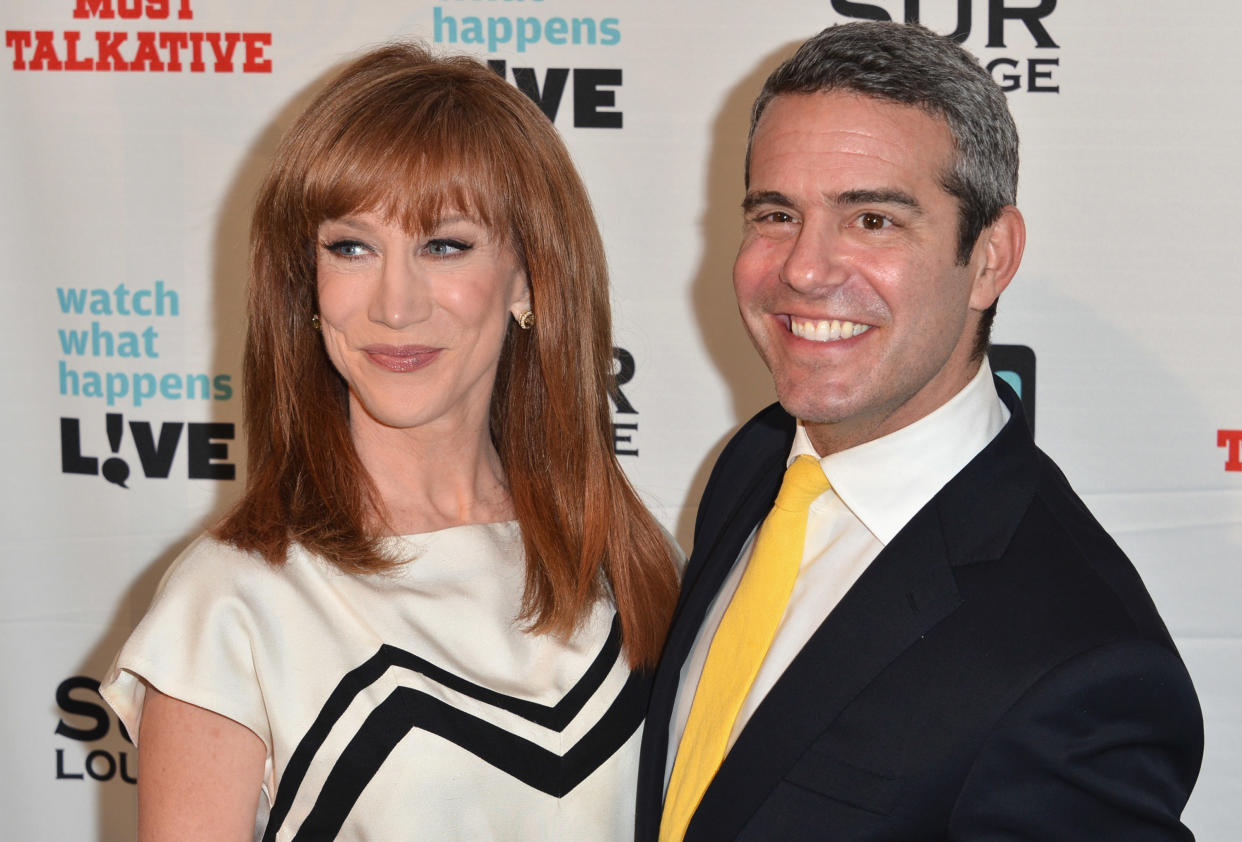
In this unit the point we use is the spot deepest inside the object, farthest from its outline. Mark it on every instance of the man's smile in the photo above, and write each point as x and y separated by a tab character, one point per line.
825	330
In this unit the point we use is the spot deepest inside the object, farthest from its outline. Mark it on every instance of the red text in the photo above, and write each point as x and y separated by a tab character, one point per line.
1231	439
131	9
156	52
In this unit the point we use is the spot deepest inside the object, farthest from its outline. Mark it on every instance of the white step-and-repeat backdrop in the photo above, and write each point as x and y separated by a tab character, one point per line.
132	137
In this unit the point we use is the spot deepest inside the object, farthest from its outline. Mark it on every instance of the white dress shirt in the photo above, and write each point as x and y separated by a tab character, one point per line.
877	487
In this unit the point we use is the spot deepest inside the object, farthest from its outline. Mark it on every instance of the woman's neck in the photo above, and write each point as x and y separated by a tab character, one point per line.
432	477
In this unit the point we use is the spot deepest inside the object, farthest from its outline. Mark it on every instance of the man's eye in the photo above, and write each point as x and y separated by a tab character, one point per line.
445	247
776	218
873	221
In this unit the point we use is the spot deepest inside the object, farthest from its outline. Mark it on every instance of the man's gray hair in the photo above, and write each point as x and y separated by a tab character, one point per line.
911	65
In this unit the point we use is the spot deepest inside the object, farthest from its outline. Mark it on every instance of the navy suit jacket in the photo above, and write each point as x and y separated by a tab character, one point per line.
998	672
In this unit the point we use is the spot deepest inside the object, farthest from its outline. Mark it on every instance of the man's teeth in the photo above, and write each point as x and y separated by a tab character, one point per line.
828	330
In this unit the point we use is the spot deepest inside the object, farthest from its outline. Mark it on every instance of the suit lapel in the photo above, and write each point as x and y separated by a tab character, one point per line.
737	503
910	585
717	560
907	589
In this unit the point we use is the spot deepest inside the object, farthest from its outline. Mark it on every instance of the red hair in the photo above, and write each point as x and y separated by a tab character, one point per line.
411	136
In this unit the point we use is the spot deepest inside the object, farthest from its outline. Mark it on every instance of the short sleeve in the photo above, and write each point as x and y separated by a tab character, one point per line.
195	643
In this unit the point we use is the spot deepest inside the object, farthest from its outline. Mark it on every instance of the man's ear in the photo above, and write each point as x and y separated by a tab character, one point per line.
1002	243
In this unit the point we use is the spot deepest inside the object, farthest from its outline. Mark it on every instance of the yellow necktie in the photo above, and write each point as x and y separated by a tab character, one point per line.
740	644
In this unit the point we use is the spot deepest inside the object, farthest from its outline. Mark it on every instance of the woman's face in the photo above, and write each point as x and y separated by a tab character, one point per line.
415	324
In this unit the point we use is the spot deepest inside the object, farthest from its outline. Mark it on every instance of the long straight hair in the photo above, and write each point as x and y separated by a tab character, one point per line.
412	136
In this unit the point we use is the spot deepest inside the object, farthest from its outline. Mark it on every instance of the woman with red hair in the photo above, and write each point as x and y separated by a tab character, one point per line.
430	612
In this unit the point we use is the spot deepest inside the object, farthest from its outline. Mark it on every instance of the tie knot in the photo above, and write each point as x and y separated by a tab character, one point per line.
804	481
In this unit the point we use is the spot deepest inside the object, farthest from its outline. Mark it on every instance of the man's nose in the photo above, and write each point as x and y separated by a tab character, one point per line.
814	262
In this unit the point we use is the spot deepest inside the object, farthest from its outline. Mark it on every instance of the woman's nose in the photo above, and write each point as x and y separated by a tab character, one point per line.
403	296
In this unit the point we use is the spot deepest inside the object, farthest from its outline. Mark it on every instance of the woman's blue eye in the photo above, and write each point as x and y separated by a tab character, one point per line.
346	248
445	247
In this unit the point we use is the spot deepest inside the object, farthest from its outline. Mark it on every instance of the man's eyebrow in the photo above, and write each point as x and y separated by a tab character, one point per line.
849	198
846	198
766	197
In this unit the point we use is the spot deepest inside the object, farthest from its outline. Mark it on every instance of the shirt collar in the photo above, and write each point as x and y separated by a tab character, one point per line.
885	482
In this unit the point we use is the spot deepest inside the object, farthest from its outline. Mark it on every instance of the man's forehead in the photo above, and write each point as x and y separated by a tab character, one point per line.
839	132
837	106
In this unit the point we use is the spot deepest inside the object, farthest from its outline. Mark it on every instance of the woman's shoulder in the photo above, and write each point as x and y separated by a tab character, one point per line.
196	641
209	570
206	548
208	561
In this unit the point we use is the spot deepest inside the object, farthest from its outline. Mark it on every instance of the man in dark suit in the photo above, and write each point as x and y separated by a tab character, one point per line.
958	650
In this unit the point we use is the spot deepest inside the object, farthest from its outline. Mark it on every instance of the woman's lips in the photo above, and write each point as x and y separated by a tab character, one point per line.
401	358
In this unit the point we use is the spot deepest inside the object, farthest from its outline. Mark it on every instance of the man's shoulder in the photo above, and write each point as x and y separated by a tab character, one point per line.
768	432
1060	517
751	458
1014	504
1045	537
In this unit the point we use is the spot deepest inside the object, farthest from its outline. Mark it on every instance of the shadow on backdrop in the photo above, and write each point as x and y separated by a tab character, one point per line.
715	307
228	275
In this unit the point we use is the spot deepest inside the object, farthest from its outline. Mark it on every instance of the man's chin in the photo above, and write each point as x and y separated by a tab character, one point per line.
812	409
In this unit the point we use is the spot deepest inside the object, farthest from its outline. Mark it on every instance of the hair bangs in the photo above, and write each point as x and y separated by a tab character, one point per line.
412	168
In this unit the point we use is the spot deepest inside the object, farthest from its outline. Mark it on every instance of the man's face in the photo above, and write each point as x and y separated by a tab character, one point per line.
847	277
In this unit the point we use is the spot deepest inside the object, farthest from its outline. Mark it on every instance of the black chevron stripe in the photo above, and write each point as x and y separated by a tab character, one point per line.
406	709
554	717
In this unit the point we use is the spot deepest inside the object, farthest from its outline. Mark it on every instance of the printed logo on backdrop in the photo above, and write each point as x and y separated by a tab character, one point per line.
1019	52
116	48
1015	364
110	356
1232	441
94	750
514	28
625	431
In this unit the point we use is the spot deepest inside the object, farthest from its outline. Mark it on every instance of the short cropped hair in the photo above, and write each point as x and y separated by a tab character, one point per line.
412	136
911	65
